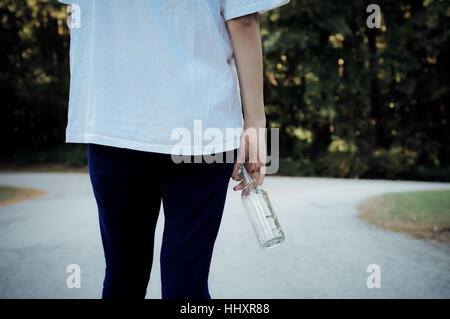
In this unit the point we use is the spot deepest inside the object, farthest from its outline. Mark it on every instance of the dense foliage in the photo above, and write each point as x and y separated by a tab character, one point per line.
350	101
358	102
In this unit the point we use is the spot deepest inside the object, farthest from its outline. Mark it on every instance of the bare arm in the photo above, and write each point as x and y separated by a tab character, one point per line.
246	41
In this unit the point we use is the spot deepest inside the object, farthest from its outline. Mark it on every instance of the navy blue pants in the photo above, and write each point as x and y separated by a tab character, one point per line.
128	187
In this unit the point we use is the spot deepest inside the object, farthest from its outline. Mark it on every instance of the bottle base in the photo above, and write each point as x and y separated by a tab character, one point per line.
272	243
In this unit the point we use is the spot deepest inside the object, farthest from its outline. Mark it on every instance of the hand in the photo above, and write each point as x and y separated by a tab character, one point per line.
251	154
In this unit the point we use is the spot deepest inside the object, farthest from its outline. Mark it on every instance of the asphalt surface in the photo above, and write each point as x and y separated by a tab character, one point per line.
325	255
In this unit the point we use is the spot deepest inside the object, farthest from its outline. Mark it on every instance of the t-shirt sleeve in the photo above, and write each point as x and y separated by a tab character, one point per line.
237	8
69	1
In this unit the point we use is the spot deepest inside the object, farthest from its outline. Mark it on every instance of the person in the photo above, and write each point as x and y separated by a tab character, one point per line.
146	76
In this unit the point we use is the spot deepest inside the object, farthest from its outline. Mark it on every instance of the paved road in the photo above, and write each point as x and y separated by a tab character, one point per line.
325	255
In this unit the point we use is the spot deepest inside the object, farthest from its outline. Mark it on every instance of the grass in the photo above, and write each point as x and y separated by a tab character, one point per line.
424	214
7	192
11	195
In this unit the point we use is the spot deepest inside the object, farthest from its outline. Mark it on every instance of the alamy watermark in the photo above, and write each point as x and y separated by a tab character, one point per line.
74	279
73	16
212	144
374	279
374	19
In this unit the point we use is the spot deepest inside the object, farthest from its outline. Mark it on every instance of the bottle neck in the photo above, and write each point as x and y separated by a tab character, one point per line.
247	177
249	180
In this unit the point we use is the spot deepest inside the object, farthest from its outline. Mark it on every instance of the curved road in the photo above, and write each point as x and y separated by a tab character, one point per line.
325	255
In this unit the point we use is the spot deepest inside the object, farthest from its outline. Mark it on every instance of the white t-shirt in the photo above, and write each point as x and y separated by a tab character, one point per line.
145	72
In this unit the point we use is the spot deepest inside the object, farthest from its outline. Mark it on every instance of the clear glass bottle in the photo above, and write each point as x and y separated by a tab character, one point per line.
261	214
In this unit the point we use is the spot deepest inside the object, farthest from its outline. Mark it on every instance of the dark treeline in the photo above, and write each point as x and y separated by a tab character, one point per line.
350	101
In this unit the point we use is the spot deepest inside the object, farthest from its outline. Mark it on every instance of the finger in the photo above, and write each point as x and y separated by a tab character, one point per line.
235	170
259	179
258	176
240	158
250	170
247	189
239	176
240	186
253	167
